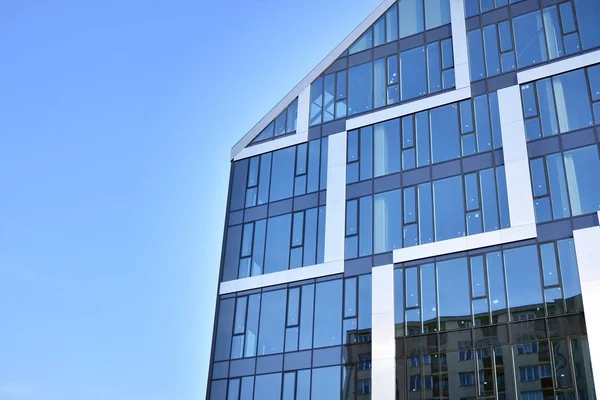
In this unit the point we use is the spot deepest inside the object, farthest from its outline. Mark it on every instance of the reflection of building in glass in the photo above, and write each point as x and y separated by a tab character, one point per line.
418	218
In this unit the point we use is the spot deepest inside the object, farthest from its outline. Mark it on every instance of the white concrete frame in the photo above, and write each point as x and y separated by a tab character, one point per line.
559	67
587	250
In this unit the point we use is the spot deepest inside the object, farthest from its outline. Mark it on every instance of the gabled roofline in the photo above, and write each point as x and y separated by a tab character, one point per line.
312	75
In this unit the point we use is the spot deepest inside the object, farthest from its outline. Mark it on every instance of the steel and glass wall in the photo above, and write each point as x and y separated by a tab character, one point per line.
418	218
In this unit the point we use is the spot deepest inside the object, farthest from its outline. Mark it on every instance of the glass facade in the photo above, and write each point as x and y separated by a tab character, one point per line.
397	241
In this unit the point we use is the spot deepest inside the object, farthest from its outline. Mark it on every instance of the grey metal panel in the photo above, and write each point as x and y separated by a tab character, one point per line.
581	138
554	230
360	58
543	146
386	183
359	189
446	169
236	217
383	259
477	162
523	7
411	42
478	88
497	15
268	364
472	23
585	221
500	82
340	64
255	213
358	266
327	356
416	176
440	33
322	197
220	370
297	360
307	201
333	127
242	367
499	157
314	132
281	207
385	50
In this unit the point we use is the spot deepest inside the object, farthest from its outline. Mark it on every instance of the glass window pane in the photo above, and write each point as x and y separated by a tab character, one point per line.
323	169
258	249
523	278
365	226
529	101
310	236
234	389
532	129
278	243
472	192
410	235
341	85
471	8
298	229
581	167
268	387
588	15
252	325
447	57
482	123
538	176
569	274
392	70
391	23
469	146
387	148
478	281
398	299
508	61
410	209
393	94
387	223
360	93
366	153
316	101
289	386
425	213
422	129
352	146
351	247
247	239
379	32
594	76
350	297
448	208
364	302
232	252
558	186
411	17
444	133
380	86
474	223
329	98
572	44
433	66
437	13
529	39
497	293
408	132
272	322
573	109
553	34
412	287
326	383
448	80
224	329
328	314
490	41
351	217
306	317
292	116
466	117
265	178
240	315
567	18
413	69
549	264
321	236
218	389
363	43
282	177
489	200
502	197
280	124
408	159
428	299
547	108
455	298
476	65
543	210
495	118
505	36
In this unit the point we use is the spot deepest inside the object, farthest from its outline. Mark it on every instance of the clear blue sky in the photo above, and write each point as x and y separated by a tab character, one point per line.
116	122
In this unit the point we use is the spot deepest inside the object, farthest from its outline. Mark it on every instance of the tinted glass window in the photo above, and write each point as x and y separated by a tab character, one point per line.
444	133
328	314
387	210
448	208
272	322
573	108
413	73
386	148
455	299
282	174
326	383
360	93
476	64
581	167
268	387
529	39
437	13
411	17
278	243
588	15
524	286
224	329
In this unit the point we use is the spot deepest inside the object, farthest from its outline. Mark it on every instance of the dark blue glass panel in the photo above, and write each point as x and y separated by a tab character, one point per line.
448	79
351	247
588	15
572	44
573	109
252	326
303	385
490	41
466	116
444	133
232	252
569	275
524	286
482	123
272	322
310	242
234	389
412	287
391	23
247	388
471	7
495	118
532	129
448	208
434	82
364	302
497	294
428	299
387	221
282	175
472	192
218	390
425	213
278	243
538	177
386	154
455	298
306	317
350	297
410	206
264	179
351	217
476	65
366	153
312	183
410	235
289	386
502	197
365	226
489	200
547	108
549	265
422	129
321	236
529	39
258	250
247	239
529	101
414	73
352	154
478	280
508	61
594	77
379	87
553	34
543	210
581	167
326	383
224	329
505	36
328	314
567	17
558	186
268	387
398	298
360	91
447	57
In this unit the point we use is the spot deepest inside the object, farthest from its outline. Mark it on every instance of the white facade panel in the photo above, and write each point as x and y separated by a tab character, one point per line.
559	67
272	145
383	345
335	216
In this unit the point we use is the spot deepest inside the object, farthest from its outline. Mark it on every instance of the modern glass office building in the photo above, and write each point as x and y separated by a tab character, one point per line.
418	217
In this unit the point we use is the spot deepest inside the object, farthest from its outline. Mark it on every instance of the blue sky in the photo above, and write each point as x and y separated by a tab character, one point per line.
116	122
